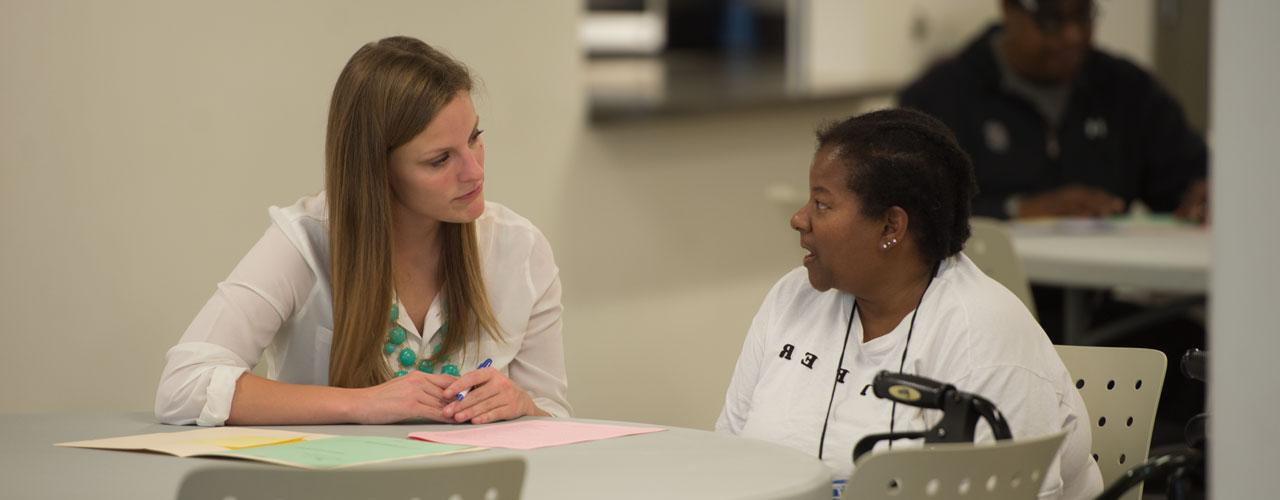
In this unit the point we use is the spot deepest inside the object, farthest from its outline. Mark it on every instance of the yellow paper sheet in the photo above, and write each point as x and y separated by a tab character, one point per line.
198	441
242	442
295	449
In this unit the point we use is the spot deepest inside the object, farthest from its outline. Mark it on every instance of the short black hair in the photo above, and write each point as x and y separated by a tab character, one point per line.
905	158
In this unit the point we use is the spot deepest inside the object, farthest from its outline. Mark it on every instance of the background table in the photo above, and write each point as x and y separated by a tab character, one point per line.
1150	255
1154	254
677	463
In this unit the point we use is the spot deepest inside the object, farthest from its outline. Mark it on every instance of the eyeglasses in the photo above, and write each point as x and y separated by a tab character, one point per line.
1051	16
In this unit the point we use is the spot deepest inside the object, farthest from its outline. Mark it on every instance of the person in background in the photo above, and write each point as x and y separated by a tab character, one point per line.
886	287
375	301
1057	127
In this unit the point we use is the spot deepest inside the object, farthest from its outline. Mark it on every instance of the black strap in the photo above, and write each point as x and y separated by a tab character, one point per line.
835	382
822	440
902	364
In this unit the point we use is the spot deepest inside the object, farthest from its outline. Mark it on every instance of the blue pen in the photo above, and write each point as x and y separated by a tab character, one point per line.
483	365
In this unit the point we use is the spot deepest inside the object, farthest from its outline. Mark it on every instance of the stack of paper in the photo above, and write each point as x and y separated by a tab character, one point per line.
295	449
530	434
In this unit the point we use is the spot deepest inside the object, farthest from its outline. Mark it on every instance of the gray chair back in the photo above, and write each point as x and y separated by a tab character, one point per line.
1121	388
990	247
491	479
1005	470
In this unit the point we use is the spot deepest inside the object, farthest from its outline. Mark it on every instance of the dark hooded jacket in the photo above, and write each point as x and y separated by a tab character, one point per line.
1120	131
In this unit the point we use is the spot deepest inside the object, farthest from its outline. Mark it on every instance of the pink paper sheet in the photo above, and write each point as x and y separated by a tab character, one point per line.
531	434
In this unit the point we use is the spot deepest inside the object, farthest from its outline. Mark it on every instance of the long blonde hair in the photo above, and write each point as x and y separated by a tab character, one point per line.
387	93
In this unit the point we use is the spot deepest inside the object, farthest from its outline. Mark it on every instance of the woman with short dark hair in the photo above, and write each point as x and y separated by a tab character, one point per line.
885	287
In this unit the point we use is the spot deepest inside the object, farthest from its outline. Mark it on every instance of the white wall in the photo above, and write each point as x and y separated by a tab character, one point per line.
1244	389
1128	27
141	142
856	43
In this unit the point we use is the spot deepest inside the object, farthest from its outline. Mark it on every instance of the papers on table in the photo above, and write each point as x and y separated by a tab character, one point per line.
296	449
325	451
344	451
530	434
1126	224
197	442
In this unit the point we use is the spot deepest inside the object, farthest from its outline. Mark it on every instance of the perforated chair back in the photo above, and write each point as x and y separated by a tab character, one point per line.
1006	470
1121	389
500	479
991	248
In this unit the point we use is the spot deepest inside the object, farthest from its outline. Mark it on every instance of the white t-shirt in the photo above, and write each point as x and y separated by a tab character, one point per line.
969	331
277	306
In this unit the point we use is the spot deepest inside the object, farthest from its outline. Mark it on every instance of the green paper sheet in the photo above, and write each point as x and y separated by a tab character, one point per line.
343	451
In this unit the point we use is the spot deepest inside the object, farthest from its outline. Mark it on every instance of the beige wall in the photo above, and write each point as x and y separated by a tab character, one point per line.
141	142
1244	385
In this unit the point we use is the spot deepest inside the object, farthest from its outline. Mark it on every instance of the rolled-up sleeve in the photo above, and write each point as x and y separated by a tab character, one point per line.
538	367
228	335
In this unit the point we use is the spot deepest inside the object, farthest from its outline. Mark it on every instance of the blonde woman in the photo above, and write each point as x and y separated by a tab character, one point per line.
379	300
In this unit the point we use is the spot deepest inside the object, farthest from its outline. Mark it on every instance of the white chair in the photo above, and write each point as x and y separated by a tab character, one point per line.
488	479
1121	389
991	248
1006	470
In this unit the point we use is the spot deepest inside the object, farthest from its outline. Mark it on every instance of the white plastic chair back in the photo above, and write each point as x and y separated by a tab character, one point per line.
991	248
1006	470
489	479
1121	389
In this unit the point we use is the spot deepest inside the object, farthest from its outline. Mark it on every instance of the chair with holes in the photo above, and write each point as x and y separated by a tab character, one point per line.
467	478
1121	389
991	249
1005	470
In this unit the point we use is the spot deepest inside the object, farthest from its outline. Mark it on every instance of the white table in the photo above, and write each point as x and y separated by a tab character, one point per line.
677	463
1154	254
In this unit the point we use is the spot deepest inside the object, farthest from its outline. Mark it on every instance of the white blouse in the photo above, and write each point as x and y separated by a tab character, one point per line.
276	306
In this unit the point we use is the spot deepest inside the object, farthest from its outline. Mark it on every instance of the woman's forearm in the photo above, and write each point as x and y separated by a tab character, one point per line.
260	401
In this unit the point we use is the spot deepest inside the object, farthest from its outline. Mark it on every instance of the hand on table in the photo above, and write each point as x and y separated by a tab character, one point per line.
415	395
1075	200
1195	203
492	397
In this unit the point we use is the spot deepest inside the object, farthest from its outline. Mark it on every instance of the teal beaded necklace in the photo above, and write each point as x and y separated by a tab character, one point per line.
396	336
